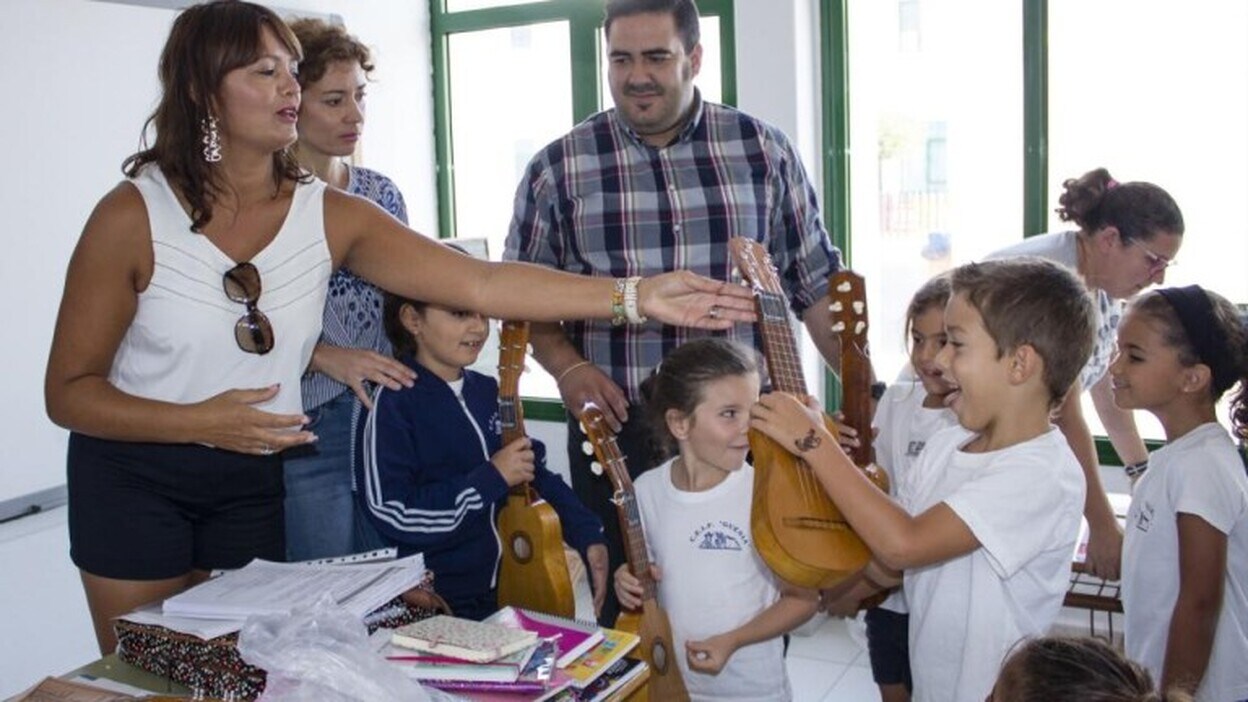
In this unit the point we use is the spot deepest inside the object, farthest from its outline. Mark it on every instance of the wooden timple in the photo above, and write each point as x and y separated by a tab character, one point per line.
797	528
533	573
651	624
847	292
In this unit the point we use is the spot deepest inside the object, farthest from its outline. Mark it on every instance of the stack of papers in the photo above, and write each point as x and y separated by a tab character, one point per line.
221	605
264	587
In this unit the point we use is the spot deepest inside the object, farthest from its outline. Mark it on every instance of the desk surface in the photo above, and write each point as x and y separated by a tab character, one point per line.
113	668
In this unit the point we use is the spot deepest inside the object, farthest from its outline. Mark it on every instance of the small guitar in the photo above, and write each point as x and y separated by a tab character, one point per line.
533	573
849	322
651	624
797	528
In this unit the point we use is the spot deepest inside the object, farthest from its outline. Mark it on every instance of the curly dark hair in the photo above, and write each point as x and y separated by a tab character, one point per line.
324	43
1139	210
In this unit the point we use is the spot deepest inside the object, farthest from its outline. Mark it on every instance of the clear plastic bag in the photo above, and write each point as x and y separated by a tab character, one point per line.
322	653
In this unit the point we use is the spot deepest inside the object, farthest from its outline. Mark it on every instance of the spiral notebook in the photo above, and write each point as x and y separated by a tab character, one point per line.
574	637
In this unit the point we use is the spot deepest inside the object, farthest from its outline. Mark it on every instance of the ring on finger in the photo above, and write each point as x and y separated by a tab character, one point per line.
713	313
266	450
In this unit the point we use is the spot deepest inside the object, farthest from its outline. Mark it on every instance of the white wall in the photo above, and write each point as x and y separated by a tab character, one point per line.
81	80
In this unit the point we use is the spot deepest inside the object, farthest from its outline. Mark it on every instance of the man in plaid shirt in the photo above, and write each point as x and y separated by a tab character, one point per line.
659	183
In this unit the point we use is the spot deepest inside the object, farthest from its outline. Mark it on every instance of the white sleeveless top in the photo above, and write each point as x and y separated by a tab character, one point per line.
181	347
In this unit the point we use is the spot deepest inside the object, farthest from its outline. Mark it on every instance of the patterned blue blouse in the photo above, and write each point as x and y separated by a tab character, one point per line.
353	307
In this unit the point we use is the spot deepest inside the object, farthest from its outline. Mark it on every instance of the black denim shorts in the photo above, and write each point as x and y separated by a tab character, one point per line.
143	511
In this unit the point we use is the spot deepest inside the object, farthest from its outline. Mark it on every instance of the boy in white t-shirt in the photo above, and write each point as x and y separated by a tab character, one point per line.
985	528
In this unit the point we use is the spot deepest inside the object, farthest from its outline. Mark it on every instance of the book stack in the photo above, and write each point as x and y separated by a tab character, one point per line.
603	672
518	655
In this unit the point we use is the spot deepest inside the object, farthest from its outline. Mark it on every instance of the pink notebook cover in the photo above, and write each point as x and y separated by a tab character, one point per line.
574	637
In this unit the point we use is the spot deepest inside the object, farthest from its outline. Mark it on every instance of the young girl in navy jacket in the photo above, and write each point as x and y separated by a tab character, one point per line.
431	471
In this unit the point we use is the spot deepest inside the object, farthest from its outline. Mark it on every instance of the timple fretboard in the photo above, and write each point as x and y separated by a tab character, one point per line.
783	362
512	345
607	451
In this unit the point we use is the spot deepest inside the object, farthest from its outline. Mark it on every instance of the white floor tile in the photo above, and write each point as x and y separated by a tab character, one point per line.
812	679
831	642
855	685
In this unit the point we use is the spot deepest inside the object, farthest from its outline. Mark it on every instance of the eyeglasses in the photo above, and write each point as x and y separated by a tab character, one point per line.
1156	262
252	331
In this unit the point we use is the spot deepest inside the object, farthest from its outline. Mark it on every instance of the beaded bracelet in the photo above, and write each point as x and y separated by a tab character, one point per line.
1135	470
619	314
631	309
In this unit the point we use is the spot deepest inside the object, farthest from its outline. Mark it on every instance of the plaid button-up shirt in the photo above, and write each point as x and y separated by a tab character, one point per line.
600	201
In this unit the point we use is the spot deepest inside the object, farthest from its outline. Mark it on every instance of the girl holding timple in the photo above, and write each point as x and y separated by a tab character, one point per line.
728	611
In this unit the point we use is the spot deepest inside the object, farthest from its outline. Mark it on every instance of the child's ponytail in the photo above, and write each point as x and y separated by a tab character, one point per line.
1239	403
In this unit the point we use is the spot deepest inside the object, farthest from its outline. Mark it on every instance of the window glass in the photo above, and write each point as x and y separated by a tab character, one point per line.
936	134
1159	92
500	116
511	94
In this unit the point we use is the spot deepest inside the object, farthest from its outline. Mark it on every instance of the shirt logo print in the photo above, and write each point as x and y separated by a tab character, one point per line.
914	448
719	536
1144	519
719	541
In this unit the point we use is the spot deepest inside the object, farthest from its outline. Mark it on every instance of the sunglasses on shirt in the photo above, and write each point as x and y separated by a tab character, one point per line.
252	331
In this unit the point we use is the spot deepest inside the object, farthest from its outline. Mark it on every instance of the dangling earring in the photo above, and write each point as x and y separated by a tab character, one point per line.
211	140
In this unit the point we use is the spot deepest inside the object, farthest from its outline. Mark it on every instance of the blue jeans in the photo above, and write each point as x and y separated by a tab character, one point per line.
322	519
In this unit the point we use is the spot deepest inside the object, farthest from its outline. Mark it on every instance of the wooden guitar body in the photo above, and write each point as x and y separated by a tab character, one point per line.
797	528
804	539
533	572
651	623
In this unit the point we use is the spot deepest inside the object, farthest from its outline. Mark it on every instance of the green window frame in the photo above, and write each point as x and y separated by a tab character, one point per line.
584	20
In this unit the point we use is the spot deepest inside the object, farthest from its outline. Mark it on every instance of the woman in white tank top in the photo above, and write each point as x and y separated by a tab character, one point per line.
193	301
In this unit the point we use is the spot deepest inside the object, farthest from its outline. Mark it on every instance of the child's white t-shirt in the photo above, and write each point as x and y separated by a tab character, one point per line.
713	580
1200	474
904	426
1023	504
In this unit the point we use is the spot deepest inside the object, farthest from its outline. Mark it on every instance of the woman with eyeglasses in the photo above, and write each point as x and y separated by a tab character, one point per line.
193	303
1128	234
353	353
